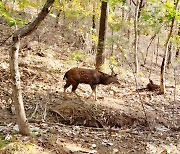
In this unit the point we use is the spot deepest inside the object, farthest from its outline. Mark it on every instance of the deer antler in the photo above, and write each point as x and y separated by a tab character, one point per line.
112	69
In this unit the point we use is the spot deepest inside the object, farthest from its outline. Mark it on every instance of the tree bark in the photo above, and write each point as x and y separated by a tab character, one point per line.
169	55
94	17
163	65
141	5
14	68
102	34
177	50
129	19
177	53
93	28
157	50
136	37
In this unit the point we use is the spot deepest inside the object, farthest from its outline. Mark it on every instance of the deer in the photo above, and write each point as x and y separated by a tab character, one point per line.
93	77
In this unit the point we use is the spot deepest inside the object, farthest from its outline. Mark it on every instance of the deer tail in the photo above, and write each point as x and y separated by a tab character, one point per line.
65	76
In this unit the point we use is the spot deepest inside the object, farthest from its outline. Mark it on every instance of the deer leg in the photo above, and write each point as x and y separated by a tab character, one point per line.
66	86
74	87
93	87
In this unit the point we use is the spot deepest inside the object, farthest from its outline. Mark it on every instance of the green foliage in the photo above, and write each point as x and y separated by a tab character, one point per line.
153	15
3	142
171	12
94	37
178	59
113	22
115	2
5	13
176	41
28	3
76	55
77	9
114	61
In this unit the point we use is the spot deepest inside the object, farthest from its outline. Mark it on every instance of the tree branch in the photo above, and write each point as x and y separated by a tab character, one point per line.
28	29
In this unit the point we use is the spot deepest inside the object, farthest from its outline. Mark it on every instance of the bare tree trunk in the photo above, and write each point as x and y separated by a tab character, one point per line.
112	46
14	69
169	55
57	18
136	37
147	50
58	13
102	34
94	17
123	12
157	50
177	50
163	65
151	40
129	19
93	28
141	5
16	86
177	53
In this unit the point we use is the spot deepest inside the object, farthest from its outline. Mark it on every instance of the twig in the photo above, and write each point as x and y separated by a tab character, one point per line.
157	51
1	43
35	110
151	40
58	113
45	111
45	107
147	50
151	65
144	111
134	2
110	130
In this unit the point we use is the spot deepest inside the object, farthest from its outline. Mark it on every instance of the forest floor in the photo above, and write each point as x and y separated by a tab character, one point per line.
120	121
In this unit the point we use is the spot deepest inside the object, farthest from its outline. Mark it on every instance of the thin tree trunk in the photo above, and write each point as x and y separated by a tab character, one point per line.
177	53
163	65
112	46
14	69
141	5
57	18
93	28
129	19
147	50
136	38
94	17
102	34
177	50
157	50
169	55
123	12
58	13
16	87
151	40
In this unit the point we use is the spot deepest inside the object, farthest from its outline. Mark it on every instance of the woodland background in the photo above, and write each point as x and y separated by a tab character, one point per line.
139	34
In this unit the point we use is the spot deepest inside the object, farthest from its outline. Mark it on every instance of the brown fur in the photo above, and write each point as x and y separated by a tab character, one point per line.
93	77
151	86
